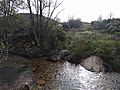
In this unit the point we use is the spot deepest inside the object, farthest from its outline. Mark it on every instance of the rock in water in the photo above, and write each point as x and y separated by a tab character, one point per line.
94	64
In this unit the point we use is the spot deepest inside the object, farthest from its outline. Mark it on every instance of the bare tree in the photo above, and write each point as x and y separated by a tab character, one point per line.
32	22
43	8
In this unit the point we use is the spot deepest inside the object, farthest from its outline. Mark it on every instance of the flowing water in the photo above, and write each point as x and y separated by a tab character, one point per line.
71	77
61	76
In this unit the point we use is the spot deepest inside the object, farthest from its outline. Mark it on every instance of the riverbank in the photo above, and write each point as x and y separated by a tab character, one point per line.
14	73
17	71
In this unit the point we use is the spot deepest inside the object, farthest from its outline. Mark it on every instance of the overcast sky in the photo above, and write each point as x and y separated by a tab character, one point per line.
89	10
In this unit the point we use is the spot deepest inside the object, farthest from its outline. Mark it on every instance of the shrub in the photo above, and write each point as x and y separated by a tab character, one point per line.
117	33
87	44
54	41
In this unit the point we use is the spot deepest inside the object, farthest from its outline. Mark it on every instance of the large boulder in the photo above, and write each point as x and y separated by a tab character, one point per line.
93	63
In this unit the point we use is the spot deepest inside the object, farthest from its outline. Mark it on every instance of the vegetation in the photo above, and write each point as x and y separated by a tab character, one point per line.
109	25
84	44
22	33
38	32
72	23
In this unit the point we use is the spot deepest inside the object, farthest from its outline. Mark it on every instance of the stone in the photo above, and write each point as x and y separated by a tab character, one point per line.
93	63
41	82
64	54
25	87
54	58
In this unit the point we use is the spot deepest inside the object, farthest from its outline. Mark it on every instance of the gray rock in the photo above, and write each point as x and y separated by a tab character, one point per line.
94	64
64	54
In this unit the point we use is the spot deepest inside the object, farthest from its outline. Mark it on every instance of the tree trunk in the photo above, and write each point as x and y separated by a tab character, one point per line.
40	11
32	23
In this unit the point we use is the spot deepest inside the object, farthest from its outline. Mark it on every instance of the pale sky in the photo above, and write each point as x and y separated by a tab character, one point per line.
89	10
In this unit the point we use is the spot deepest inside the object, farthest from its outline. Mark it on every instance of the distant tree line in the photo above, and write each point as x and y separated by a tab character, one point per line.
72	23
109	25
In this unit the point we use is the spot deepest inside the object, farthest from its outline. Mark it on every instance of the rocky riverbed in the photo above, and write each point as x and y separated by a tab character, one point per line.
62	75
41	74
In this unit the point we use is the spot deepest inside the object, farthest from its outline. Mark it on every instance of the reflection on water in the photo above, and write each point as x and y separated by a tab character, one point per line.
71	77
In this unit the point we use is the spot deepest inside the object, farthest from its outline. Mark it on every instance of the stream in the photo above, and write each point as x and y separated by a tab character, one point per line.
71	77
62	76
